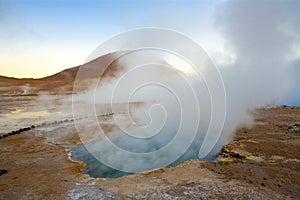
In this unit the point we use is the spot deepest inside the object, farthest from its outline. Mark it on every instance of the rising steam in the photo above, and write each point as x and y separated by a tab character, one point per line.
264	38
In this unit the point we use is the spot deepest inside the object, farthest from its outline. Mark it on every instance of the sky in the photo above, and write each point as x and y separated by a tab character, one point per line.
40	38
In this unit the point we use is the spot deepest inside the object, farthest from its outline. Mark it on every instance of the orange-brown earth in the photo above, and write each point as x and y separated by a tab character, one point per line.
263	162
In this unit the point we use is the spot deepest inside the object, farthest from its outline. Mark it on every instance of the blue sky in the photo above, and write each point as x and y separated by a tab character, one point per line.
40	38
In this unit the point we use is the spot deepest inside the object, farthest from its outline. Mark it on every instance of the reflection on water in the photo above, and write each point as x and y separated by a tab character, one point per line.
23	111
23	114
16	111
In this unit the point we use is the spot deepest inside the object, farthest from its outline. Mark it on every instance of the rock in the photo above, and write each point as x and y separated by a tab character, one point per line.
3	171
228	155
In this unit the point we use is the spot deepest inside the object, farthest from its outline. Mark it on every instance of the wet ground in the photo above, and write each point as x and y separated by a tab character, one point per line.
263	162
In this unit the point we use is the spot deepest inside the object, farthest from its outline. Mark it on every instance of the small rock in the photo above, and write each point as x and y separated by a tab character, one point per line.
3	171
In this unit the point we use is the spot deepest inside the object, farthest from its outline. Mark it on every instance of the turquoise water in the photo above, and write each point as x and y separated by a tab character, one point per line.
97	169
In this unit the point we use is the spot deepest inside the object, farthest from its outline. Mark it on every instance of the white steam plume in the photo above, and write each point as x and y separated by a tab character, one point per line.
263	35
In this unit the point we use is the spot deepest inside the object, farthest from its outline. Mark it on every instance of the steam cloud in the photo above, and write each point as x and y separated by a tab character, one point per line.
263	35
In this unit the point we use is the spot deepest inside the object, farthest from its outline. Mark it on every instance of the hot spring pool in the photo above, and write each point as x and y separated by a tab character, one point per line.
97	169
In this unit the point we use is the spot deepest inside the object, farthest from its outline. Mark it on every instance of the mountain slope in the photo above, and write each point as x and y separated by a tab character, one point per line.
62	82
